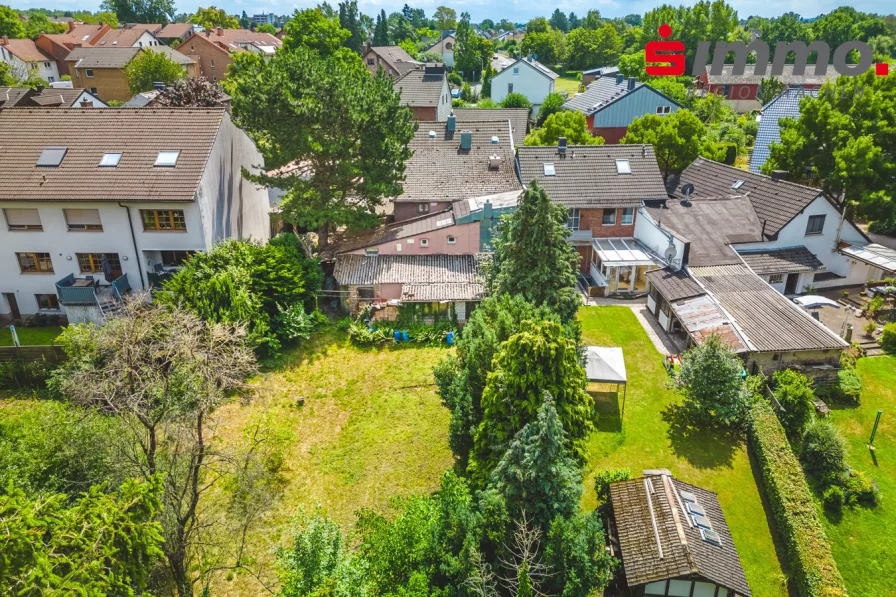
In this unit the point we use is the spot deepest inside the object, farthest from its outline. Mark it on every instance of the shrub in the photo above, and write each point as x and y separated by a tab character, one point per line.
25	375
794	392
874	306
888	338
710	377
849	387
824	452
870	327
603	479
466	93
515	100
552	104
834	498
293	323
812	565
455	79
859	488
887	227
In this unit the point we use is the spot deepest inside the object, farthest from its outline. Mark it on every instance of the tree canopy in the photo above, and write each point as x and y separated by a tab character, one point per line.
676	138
312	29
565	123
711	382
213	17
141	11
150	67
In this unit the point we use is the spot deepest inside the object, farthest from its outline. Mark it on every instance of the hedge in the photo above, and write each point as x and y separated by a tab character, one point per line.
812	565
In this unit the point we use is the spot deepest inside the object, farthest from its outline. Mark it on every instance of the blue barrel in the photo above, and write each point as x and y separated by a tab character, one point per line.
405	337
449	337
397	336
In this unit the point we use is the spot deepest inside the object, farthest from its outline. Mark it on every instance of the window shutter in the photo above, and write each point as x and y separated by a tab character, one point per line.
22	217
82	217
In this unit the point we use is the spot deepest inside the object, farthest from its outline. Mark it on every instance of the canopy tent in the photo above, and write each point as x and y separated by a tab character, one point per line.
605	364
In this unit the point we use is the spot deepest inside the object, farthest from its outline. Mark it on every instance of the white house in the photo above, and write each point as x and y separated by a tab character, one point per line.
527	77
25	58
122	196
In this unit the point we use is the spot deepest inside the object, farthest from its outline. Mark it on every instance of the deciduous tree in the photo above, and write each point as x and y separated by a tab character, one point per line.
445	18
565	123
150	67
676	138
141	11
10	24
314	30
589	48
213	17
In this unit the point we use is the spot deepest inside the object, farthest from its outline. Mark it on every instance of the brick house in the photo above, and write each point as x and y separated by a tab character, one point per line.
101	70
740	92
426	91
392	59
602	187
611	103
213	48
59	45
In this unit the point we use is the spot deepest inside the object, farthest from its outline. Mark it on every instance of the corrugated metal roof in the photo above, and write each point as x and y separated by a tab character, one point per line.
786	105
877	255
368	270
425	293
702	317
674	285
395	231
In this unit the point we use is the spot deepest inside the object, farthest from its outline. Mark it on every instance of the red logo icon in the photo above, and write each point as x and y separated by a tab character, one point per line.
664	58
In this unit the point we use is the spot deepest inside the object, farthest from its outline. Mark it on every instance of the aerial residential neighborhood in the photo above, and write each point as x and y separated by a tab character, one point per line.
485	301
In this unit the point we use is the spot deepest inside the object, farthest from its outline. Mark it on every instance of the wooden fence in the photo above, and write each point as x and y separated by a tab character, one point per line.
53	354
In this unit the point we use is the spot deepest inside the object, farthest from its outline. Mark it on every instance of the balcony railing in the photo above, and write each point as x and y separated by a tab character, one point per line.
87	295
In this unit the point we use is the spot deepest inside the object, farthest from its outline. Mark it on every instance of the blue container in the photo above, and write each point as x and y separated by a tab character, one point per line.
405	337
397	336
449	337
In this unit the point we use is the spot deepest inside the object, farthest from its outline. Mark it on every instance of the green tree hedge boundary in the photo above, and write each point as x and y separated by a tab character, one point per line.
812	564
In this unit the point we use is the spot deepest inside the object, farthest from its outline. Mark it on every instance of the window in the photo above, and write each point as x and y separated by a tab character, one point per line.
175	258
679	588
83	219
213	64
549	169
572	219
449	45
92	263
737	184
51	157
663	109
22	219
46	65
372	253
424	242
510	88
47	302
609	218
167	159
51	79
366	293
452	240
88	72
163	219
815	225
726	89
516	70
776	278
422	208
35	263
139	44
110	160
370	61
93	90
623	167
628	216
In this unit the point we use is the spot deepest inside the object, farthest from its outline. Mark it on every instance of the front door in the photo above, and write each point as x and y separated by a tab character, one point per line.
13	305
790	286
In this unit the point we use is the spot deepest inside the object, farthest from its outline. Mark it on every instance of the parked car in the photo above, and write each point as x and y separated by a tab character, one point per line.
455	93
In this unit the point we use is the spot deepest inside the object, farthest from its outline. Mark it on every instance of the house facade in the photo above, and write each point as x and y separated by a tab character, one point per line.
100	194
741	91
212	50
445	48
426	91
25	59
101	70
527	77
612	102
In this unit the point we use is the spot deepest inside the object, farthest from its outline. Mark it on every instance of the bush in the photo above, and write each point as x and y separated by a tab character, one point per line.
515	100
466	93
824	452
552	104
849	387
455	79
710	380
859	489
888	338
834	498
603	479
812	565
794	392
874	306
293	323
870	327
24	375
886	227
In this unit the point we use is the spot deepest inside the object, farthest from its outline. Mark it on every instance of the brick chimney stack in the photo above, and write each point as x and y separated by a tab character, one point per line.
220	31
4	41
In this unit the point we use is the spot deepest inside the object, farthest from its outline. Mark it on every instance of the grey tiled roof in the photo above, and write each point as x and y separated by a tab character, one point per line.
397	57
57	96
10	96
637	503
586	176
775	202
119	57
419	89
604	92
424	293
751	78
674	285
781	261
787	104
768	319
518	117
139	134
396	231
368	270
439	170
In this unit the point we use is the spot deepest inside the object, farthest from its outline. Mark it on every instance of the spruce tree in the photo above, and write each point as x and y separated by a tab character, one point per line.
381	31
350	21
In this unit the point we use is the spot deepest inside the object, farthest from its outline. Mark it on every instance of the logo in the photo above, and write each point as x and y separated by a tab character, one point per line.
667	58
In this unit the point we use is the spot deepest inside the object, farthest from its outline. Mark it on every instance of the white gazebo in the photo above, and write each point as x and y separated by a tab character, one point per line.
605	364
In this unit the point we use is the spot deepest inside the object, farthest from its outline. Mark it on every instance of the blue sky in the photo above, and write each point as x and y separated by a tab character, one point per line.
515	10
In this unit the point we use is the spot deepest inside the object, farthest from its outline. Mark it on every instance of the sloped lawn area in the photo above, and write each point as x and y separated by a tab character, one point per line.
650	437
30	336
864	539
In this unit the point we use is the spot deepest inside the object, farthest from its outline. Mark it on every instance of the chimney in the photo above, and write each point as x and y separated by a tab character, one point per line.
466	140
619	78
561	145
779	175
452	123
494	162
4	41
487	211
158	86
71	26
219	31
86	103
631	83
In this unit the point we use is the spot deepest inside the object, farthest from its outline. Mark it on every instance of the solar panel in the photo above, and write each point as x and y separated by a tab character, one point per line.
702	522
51	157
711	537
696	509
688	496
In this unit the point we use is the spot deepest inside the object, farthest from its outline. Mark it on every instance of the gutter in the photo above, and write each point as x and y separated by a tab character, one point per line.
134	240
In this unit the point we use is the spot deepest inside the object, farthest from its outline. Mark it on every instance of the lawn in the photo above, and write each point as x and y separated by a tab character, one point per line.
651	438
864	540
568	84
30	336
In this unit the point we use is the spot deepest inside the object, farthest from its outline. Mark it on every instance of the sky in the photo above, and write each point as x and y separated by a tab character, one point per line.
518	11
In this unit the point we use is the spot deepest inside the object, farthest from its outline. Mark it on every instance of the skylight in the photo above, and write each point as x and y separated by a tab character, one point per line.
167	158
51	157
623	167
737	184
549	169
110	160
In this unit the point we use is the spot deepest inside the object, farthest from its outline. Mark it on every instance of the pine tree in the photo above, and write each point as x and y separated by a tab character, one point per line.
381	31
533	257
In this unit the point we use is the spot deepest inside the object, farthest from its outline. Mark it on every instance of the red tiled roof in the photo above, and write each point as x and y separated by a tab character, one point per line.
25	50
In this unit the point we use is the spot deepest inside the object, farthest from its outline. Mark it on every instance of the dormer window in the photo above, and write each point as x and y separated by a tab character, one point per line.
51	157
167	159
110	160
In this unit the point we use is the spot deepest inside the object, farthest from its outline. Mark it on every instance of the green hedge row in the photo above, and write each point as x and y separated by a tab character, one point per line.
812	565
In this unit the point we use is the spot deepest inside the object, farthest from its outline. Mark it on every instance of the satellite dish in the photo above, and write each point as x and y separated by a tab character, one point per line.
670	253
687	189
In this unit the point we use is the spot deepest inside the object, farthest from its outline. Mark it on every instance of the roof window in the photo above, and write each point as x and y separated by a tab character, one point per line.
51	157
110	160
737	184
549	169
167	159
623	167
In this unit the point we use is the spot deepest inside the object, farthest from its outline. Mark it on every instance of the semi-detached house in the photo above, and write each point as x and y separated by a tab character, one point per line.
213	49
96	202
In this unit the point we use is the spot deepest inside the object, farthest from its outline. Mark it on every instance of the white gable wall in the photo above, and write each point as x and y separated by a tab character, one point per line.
529	81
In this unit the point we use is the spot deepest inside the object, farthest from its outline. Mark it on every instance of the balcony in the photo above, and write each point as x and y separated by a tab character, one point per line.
80	291
579	237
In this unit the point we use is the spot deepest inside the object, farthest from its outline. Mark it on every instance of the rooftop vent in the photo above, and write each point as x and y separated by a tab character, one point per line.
619	78
561	145
779	174
711	537
737	184
452	123
623	167
631	83
51	157
549	169
494	162
432	134
466	140
495	139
